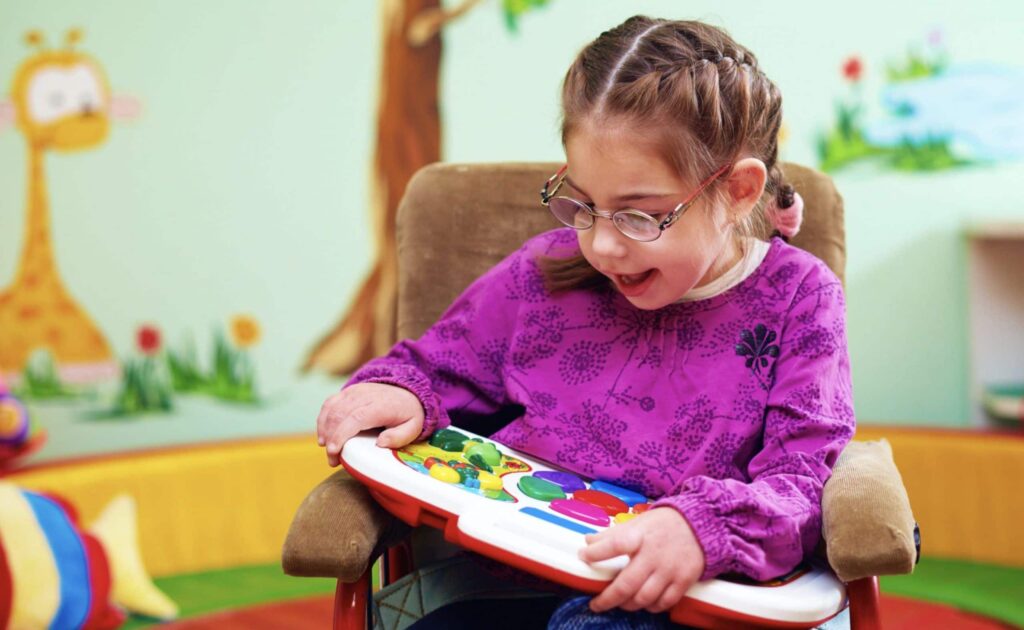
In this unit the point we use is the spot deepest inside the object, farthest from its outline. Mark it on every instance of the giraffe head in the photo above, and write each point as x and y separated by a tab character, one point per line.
61	97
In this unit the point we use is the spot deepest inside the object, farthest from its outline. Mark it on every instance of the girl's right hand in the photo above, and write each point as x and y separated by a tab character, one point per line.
368	406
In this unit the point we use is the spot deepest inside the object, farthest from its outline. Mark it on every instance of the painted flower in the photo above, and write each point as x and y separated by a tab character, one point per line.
147	338
245	331
852	69
757	347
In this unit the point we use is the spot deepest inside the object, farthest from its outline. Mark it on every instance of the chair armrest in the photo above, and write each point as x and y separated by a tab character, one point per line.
867	524
338	531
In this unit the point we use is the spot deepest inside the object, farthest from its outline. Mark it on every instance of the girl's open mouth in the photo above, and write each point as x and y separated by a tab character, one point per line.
634	284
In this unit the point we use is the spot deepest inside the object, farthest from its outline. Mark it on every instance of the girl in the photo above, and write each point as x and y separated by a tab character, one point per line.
654	341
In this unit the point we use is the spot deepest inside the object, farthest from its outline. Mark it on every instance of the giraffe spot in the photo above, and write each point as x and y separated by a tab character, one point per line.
53	336
31	280
28	312
65	307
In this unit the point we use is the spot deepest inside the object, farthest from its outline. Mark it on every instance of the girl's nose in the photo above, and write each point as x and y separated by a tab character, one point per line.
608	242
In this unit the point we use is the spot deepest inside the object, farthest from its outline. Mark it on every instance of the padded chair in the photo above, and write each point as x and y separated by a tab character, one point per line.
454	223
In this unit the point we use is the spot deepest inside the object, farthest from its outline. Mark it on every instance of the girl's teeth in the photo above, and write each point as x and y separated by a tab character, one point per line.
633	279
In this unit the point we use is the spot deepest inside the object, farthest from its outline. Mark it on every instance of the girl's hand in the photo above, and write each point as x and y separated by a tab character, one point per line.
665	560
367	406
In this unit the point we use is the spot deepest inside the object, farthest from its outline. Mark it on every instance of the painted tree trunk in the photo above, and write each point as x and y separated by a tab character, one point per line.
408	138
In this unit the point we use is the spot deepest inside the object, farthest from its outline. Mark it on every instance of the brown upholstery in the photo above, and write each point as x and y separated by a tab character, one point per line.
455	222
876	538
338	530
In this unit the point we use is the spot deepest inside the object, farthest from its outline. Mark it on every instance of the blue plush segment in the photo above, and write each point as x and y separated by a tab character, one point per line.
626	495
72	566
557	520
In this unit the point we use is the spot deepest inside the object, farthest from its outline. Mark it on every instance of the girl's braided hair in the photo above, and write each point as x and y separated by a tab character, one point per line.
701	97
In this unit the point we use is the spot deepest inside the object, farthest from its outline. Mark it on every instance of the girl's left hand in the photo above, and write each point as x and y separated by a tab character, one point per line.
665	561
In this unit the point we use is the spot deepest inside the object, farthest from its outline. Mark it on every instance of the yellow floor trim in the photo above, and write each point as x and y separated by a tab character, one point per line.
964	488
201	508
226	505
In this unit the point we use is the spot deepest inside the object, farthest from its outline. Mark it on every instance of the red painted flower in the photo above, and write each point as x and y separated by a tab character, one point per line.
148	339
853	68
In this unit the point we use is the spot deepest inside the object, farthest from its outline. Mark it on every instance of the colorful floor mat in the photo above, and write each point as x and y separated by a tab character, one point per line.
940	594
898	613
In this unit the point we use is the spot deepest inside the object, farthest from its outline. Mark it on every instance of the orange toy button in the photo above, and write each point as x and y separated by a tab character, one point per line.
640	508
608	503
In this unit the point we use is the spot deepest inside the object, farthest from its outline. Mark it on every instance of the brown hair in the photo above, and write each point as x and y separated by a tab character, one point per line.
702	95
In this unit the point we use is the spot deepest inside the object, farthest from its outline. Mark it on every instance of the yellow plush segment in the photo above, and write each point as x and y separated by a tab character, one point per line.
964	490
132	587
36	586
199	508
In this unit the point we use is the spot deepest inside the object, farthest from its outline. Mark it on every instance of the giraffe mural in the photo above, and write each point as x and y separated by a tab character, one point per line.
60	101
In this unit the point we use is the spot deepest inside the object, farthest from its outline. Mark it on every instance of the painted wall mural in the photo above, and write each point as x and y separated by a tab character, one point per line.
937	114
60	102
57	362
408	138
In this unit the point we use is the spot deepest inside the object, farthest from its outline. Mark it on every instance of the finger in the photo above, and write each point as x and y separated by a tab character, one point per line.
669	598
321	421
617	541
351	422
622	588
345	431
400	435
330	414
648	594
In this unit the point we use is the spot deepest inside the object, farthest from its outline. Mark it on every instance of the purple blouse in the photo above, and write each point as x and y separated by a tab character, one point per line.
732	409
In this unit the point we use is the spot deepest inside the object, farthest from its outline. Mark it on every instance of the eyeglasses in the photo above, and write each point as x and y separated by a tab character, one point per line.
636	224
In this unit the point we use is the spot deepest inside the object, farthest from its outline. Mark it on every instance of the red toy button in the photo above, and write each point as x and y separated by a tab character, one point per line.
611	505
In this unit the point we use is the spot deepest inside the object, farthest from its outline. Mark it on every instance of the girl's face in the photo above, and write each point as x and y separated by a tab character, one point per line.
610	169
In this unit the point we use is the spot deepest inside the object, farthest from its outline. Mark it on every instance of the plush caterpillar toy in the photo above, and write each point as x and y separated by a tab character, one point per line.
56	574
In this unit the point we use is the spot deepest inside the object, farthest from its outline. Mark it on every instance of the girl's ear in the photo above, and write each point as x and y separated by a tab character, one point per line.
745	186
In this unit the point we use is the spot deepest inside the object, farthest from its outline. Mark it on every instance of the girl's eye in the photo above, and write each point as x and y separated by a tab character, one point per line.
658	216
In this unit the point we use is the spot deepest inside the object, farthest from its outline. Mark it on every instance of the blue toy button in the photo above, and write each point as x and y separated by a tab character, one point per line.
628	497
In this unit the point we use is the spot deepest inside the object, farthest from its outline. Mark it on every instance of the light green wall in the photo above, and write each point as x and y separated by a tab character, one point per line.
243	186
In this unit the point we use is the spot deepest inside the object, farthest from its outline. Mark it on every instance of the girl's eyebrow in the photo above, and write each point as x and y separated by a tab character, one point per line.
630	197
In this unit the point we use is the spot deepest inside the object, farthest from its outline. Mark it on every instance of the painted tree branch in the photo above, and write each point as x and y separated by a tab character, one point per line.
429	23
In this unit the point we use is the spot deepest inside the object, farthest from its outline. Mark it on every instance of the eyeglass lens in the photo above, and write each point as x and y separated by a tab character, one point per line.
578	215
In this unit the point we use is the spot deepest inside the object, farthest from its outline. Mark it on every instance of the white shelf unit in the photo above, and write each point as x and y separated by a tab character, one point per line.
995	292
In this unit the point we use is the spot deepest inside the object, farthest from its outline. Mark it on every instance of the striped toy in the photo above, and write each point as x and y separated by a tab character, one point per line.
56	575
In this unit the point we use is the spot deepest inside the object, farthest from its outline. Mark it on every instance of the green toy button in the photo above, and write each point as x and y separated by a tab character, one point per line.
478	460
448	440
488	452
540	489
